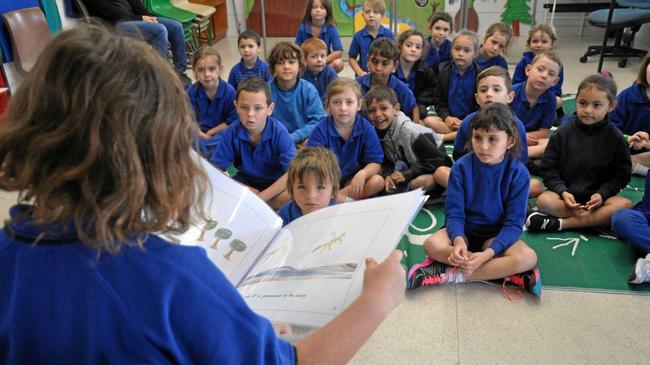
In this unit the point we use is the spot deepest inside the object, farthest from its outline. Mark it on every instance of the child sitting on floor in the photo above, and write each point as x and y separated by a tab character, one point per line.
312	182
249	45
372	13
440	25
412	152
485	211
317	71
586	163
318	22
495	43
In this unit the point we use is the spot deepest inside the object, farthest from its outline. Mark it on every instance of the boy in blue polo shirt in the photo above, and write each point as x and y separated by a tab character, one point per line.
210	97
456	86
534	101
383	58
258	145
317	71
440	25
373	12
248	44
352	139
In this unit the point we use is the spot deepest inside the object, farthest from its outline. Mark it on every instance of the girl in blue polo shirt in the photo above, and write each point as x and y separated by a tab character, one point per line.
352	139
440	26
319	22
632	117
485	210
495	43
104	190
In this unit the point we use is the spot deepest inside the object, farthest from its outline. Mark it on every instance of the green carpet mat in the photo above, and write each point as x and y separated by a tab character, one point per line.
600	262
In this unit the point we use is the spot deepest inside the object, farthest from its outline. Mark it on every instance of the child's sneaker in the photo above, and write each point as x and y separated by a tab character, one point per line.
530	281
430	272
537	222
641	273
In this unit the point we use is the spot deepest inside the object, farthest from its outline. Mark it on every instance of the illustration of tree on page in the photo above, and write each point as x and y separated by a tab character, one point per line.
309	271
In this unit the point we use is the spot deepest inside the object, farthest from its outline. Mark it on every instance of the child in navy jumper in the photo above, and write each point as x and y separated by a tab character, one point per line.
318	22
99	257
412	152
352	139
541	37
485	211
210	97
632	117
412	71
373	12
317	71
297	104
258	144
440	25
534	101
493	85
495	43
249	44
383	59
313	182
586	163
454	98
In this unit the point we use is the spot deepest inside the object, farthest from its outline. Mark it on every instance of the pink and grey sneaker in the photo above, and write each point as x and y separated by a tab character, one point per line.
430	272
530	281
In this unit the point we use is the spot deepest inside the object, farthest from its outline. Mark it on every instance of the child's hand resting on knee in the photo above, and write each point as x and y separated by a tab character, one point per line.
459	254
595	202
357	183
570	201
476	259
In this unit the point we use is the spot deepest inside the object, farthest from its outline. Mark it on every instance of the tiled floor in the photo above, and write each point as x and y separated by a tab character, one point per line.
475	323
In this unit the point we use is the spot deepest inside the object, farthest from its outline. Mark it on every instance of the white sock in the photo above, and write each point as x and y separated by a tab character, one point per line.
560	221
638	169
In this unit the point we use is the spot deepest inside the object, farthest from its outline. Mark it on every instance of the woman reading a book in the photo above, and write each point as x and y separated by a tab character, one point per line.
83	277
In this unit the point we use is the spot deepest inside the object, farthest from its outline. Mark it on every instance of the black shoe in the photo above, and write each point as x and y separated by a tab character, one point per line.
534	166
537	222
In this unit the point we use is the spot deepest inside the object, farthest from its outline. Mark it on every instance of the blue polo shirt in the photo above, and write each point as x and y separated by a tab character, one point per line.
64	303
463	138
632	113
437	56
291	211
361	148
328	33
461	91
264	163
520	73
497	60
410	80
404	94
241	72
539	116
320	81
361	41
210	113
299	109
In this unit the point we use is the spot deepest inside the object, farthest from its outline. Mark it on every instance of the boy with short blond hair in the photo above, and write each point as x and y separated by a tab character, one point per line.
373	12
317	71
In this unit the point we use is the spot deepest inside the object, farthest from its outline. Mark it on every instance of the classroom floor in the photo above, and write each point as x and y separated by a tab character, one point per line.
474	323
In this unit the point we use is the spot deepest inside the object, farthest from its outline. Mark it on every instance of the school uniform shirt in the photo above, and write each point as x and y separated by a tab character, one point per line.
541	115
64	303
210	113
497	60
632	113
321	80
328	33
361	148
414	144
586	159
404	94
361	41
241	72
265	162
299	109
422	82
291	211
455	93
520	73
463	138
436	56
487	199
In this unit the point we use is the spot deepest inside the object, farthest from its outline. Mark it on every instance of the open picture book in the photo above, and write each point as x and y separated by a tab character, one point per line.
309	271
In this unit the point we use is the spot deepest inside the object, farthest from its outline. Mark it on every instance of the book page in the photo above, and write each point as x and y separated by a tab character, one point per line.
314	267
238	228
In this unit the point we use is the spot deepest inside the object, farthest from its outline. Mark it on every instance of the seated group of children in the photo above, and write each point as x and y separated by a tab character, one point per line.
386	130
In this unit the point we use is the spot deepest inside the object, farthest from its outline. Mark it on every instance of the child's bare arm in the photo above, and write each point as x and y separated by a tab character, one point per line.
275	189
341	338
356	68
539	134
359	180
218	128
333	56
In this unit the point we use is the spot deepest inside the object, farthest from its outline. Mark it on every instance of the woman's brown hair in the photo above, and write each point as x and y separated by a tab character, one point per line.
99	133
